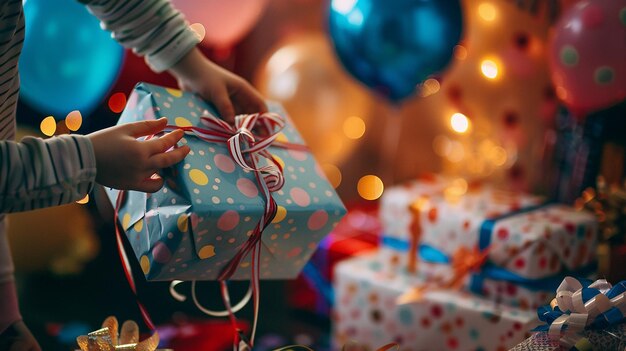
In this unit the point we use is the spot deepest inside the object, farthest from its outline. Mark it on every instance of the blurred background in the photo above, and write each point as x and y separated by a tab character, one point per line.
476	91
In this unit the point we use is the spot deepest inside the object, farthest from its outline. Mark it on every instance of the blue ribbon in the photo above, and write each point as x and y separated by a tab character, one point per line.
611	317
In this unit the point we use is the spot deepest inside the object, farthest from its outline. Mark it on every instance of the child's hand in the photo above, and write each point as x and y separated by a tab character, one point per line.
222	88
123	162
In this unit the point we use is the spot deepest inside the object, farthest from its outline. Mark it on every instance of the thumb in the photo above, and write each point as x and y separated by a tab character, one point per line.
142	128
224	106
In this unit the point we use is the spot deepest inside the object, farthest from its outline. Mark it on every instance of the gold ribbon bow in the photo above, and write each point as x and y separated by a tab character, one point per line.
107	338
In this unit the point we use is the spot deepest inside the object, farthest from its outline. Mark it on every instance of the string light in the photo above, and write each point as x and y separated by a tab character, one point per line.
199	30
429	87
370	187
487	11
459	123
354	127
489	69
73	120
117	102
48	126
333	174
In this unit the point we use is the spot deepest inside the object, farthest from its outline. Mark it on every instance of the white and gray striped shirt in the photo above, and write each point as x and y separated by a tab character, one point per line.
36	173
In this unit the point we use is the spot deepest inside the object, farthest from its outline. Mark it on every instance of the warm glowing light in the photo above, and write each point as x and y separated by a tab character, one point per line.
498	155
459	123
333	174
441	145
48	126
421	203
487	11
489	69
84	200
354	127
117	102
457	152
199	30
429	87
457	188
370	187
73	120
460	52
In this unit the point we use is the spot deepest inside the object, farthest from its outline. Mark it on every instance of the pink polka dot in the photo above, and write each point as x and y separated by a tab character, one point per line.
194	220
300	197
247	187
149	114
318	220
228	220
296	251
132	101
161	253
298	155
224	163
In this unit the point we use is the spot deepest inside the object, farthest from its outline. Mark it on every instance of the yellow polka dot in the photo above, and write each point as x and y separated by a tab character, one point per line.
145	264
182	223
244	264
198	177
138	226
206	251
281	213
182	122
280	161
174	92
126	220
282	138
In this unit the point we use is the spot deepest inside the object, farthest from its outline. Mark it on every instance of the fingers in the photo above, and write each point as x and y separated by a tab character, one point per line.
168	159
164	143
150	185
248	100
222	103
143	128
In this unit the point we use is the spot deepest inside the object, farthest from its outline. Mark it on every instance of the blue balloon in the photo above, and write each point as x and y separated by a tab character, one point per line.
393	45
68	62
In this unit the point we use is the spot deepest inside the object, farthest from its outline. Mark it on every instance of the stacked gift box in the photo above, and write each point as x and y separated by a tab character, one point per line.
483	251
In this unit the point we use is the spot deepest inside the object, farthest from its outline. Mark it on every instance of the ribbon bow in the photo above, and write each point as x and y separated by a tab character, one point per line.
580	306
464	262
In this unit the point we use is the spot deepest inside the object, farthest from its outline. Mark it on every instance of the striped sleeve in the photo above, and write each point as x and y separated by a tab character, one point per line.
152	28
36	173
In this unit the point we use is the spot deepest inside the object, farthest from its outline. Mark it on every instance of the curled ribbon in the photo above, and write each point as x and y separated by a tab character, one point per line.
247	142
580	306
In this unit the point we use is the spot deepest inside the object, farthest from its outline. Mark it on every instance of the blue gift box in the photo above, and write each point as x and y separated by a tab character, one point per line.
194	226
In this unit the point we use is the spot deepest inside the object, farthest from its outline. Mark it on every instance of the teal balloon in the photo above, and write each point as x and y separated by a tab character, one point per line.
393	45
68	62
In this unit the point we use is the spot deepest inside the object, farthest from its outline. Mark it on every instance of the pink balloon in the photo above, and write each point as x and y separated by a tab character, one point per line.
225	21
587	55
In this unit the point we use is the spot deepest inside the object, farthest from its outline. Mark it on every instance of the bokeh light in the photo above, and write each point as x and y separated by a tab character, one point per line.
429	87
48	126
457	152
489	69
73	120
117	102
199	30
459	123
354	127
441	145
333	174
460	52
487	11
84	200
370	187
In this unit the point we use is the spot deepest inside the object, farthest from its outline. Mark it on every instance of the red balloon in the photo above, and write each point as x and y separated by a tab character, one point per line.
225	21
587	55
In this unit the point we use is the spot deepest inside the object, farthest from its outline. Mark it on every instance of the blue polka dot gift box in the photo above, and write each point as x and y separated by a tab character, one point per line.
205	219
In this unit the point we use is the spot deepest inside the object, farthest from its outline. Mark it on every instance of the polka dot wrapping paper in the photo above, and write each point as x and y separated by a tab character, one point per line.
367	312
610	339
194	225
529	251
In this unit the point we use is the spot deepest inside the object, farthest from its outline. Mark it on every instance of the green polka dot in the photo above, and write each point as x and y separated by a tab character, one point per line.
569	56
622	16
474	334
603	75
